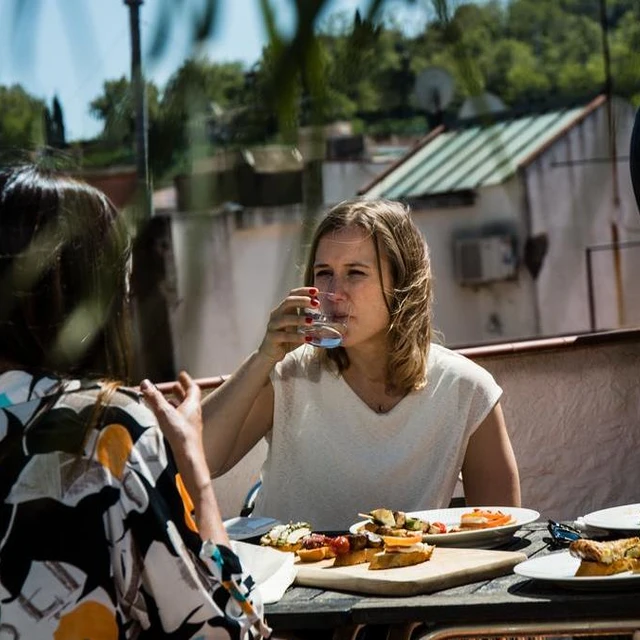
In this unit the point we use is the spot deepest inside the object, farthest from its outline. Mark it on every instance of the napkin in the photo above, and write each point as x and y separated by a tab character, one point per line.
272	570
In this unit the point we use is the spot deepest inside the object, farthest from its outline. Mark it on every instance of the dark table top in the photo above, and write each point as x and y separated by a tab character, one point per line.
506	599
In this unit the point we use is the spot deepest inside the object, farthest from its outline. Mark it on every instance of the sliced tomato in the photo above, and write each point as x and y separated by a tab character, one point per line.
442	528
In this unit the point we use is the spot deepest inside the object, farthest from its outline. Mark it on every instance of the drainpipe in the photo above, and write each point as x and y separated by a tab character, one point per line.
140	105
526	202
613	155
152	339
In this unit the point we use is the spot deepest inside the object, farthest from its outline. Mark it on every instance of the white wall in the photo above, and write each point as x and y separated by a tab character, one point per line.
574	205
232	271
342	180
230	274
466	315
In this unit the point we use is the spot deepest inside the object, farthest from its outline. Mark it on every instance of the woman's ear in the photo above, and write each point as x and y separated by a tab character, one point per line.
634	159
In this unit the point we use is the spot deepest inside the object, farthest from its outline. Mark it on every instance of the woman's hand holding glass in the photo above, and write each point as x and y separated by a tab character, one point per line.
285	321
326	323
306	315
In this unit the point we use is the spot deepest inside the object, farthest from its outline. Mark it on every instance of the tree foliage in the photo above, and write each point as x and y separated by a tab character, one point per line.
363	69
54	125
21	118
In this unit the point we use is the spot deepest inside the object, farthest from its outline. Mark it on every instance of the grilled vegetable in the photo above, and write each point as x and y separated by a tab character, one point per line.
382	517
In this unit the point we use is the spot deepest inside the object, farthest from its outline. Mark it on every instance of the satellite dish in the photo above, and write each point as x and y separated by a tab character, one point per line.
434	89
481	105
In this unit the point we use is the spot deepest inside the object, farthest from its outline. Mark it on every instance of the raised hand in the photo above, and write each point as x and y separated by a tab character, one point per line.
282	330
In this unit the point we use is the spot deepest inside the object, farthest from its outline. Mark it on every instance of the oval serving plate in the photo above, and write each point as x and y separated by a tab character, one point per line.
474	538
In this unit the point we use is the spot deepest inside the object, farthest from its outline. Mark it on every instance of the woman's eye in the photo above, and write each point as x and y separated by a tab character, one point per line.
323	274
355	272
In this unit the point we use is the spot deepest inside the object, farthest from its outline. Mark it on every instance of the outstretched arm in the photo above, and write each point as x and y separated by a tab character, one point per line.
489	471
240	412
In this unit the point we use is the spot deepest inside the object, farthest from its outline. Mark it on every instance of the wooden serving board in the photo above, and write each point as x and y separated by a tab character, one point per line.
448	567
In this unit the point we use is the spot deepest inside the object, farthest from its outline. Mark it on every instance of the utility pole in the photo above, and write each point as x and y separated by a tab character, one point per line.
152	338
608	89
613	153
140	106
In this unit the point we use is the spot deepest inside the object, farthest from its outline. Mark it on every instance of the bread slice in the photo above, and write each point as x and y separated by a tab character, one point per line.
605	551
392	560
315	555
286	537
354	557
589	568
606	558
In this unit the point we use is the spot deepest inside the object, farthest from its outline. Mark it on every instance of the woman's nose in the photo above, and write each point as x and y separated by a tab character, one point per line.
337	288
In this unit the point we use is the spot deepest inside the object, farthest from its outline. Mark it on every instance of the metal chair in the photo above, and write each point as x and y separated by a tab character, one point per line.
250	500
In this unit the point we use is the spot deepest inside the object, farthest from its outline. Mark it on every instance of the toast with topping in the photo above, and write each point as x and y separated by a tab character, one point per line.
605	558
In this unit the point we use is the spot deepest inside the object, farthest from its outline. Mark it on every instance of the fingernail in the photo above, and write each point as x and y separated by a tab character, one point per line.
308	338
313	291
315	302
308	320
145	384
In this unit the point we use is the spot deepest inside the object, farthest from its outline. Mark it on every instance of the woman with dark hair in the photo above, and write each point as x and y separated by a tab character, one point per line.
97	532
388	418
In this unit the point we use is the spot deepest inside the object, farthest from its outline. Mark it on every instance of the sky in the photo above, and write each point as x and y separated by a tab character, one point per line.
69	48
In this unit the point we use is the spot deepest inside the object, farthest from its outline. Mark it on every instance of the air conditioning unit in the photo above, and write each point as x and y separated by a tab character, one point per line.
481	260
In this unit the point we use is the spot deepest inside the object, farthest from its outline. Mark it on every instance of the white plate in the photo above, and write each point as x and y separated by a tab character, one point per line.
475	538
626	517
245	528
560	568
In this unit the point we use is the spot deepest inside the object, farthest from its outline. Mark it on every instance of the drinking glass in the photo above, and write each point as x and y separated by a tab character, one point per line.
329	321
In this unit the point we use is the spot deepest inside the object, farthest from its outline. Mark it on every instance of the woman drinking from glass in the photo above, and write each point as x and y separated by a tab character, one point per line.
387	418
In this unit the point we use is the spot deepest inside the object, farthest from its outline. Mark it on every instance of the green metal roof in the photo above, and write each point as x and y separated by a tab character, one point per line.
473	157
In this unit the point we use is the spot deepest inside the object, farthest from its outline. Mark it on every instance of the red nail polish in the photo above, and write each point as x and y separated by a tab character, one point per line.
308	320
308	338
313	292
315	302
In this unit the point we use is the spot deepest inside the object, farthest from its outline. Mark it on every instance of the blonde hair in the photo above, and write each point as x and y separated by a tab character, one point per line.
409	303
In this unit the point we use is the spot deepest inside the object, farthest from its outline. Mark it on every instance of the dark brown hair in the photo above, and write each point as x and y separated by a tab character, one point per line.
64	260
409	303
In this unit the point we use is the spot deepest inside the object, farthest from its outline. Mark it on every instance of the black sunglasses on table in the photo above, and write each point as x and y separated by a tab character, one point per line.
562	535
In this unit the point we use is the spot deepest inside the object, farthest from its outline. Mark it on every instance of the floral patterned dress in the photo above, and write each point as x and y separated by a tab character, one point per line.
97	538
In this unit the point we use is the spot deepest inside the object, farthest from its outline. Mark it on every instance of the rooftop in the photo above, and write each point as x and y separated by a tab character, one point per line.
473	156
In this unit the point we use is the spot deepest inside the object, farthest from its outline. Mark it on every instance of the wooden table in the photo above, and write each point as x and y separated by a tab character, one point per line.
506	606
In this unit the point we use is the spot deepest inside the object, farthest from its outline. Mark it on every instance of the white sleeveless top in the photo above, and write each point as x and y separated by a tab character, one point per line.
331	456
